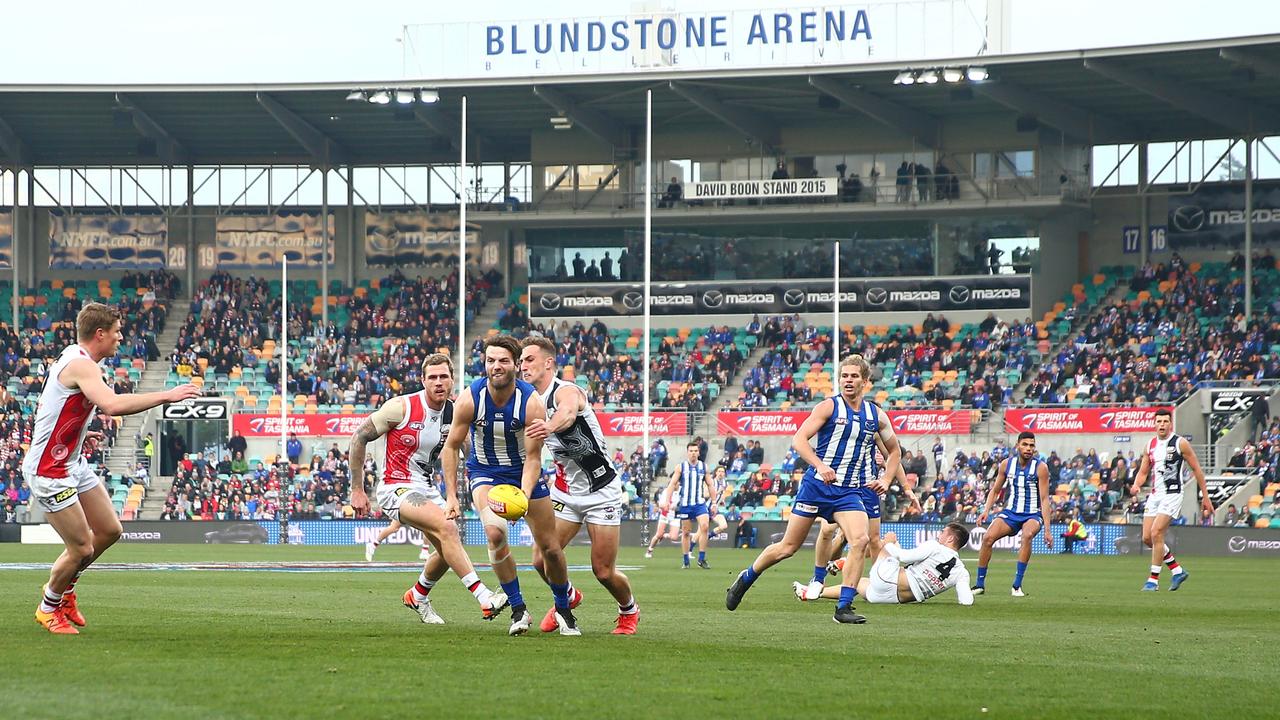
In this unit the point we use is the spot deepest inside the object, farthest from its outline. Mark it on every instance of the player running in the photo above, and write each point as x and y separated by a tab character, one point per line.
1026	510
666	519
842	463
415	429
1169	459
690	491
496	410
913	576
74	501
720	498
587	488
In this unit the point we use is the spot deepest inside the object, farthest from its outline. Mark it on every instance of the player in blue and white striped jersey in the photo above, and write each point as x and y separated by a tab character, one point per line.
691	494
1026	509
840	466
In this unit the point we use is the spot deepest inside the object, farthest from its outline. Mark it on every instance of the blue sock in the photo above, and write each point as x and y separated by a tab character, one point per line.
846	596
686	559
819	574
750	575
1017	575
512	589
702	556
982	576
561	593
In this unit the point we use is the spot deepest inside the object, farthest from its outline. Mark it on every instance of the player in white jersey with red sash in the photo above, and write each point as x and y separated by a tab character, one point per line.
668	523
1170	462
415	427
587	488
74	501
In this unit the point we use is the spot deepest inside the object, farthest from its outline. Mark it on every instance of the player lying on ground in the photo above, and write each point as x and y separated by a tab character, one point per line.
908	576
587	488
416	426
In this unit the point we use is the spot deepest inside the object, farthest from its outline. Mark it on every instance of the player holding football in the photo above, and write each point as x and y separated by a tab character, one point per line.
913	576
1026	510
415	427
74	501
690	491
1169	460
587	488
842	463
496	410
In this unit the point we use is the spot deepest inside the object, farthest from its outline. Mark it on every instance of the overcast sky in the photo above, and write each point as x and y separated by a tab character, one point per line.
145	41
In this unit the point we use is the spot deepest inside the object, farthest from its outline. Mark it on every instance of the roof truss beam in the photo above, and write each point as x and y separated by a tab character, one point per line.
12	146
1226	110
591	120
924	128
323	149
169	150
1244	57
1068	118
752	125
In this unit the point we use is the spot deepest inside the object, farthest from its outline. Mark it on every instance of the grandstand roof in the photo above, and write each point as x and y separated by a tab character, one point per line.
1202	89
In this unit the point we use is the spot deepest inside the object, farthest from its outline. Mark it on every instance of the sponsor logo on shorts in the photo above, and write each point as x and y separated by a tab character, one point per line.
806	507
557	506
610	512
401	491
65	495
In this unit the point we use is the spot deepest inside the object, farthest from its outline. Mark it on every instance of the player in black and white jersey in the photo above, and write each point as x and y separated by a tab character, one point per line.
910	576
587	488
1170	462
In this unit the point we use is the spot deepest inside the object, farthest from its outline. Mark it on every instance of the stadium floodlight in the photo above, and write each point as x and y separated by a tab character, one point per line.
427	95
906	77
381	97
359	95
977	74
929	77
405	97
952	75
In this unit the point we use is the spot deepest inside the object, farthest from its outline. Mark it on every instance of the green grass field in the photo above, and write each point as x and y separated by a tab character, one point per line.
198	644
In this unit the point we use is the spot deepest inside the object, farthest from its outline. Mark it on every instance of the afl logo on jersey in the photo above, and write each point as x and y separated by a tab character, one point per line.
416	426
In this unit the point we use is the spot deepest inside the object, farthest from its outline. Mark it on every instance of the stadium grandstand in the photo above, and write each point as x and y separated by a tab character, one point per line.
1062	241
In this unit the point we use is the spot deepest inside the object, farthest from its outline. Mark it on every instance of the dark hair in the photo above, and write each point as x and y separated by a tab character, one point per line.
1165	412
693	444
541	343
960	531
506	342
1026	435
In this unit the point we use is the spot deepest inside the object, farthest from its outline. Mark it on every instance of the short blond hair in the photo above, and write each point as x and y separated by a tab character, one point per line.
864	368
541	343
93	317
437	359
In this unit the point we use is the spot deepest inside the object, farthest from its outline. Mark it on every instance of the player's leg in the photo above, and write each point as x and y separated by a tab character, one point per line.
69	521
798	527
721	524
565	531
504	566
604	564
372	547
419	511
874	543
541	519
703	530
1160	553
686	526
1148	539
657	535
106	528
995	531
822	550
853	523
1028	532
833	592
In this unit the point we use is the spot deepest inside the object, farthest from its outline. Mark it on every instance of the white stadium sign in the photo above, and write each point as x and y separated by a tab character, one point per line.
725	189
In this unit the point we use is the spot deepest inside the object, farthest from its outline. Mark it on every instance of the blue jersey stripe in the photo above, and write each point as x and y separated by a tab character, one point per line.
1024	486
497	447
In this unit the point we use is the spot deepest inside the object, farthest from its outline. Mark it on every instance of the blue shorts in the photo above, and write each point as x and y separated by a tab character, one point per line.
870	502
1015	520
818	499
689	512
540	490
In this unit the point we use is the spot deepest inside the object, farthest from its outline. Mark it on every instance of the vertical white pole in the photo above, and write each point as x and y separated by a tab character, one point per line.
324	253
835	316
462	249
648	264
15	241
284	358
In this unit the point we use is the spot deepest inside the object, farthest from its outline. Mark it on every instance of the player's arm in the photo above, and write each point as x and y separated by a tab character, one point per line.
1189	455
1140	479
994	492
464	412
1042	475
374	427
964	595
892	452
569	402
708	488
675	483
535	411
907	557
84	374
800	441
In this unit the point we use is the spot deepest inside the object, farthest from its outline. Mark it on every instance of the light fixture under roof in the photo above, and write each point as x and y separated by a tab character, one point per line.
929	77
405	97
357	95
561	122
906	77
977	74
381	97
952	75
427	95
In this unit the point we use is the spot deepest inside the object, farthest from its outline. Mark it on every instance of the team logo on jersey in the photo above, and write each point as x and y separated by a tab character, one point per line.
407	439
60	452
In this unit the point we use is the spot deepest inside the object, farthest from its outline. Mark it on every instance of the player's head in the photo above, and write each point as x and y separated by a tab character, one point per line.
1027	444
954	536
1164	423
693	451
437	377
501	354
854	373
98	326
537	360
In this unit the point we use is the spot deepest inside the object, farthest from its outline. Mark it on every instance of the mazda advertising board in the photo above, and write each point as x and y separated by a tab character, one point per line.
868	295
1214	215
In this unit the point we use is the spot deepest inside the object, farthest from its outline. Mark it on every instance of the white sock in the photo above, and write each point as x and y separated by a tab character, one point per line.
1155	573
629	608
50	601
477	588
422	587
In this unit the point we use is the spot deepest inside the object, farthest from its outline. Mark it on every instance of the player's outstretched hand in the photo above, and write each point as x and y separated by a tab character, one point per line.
182	392
982	517
536	430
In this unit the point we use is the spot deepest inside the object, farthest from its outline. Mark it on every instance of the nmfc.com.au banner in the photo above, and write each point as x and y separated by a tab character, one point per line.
108	242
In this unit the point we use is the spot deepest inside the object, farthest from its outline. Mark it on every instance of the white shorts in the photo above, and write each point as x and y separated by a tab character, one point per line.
883	585
56	494
390	496
1170	505
603	507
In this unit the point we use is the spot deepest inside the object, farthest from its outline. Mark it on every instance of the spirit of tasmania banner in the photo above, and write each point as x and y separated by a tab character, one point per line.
304	425
255	242
415	239
6	240
108	242
632	423
1082	420
787	422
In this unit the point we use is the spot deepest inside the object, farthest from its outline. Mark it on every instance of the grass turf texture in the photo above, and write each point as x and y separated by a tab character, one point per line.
195	644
